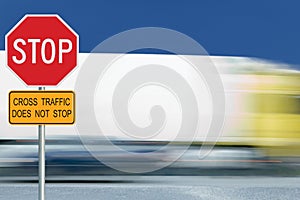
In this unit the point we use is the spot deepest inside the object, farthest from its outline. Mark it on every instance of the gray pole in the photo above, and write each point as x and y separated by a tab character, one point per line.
42	167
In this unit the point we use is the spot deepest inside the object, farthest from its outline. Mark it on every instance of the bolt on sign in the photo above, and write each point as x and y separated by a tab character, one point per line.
41	107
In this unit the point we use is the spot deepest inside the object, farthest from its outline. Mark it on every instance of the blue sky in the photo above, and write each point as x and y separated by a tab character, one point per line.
263	29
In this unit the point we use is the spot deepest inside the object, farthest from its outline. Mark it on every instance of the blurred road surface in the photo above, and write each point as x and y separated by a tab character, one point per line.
161	187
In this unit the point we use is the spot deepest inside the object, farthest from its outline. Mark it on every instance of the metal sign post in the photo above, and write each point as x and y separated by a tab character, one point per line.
42	167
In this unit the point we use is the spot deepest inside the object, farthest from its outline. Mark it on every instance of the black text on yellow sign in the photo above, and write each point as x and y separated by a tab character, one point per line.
41	107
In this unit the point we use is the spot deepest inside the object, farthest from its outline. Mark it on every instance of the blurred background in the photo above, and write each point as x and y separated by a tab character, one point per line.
261	133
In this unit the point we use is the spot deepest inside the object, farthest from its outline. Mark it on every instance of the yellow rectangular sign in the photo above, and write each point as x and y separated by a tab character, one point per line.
41	107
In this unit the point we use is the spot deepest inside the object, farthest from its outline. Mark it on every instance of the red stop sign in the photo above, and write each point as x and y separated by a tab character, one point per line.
41	49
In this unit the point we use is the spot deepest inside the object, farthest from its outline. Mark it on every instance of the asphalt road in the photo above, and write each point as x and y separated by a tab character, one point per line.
160	187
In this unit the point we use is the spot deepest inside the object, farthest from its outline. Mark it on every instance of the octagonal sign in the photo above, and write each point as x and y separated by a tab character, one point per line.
41	49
